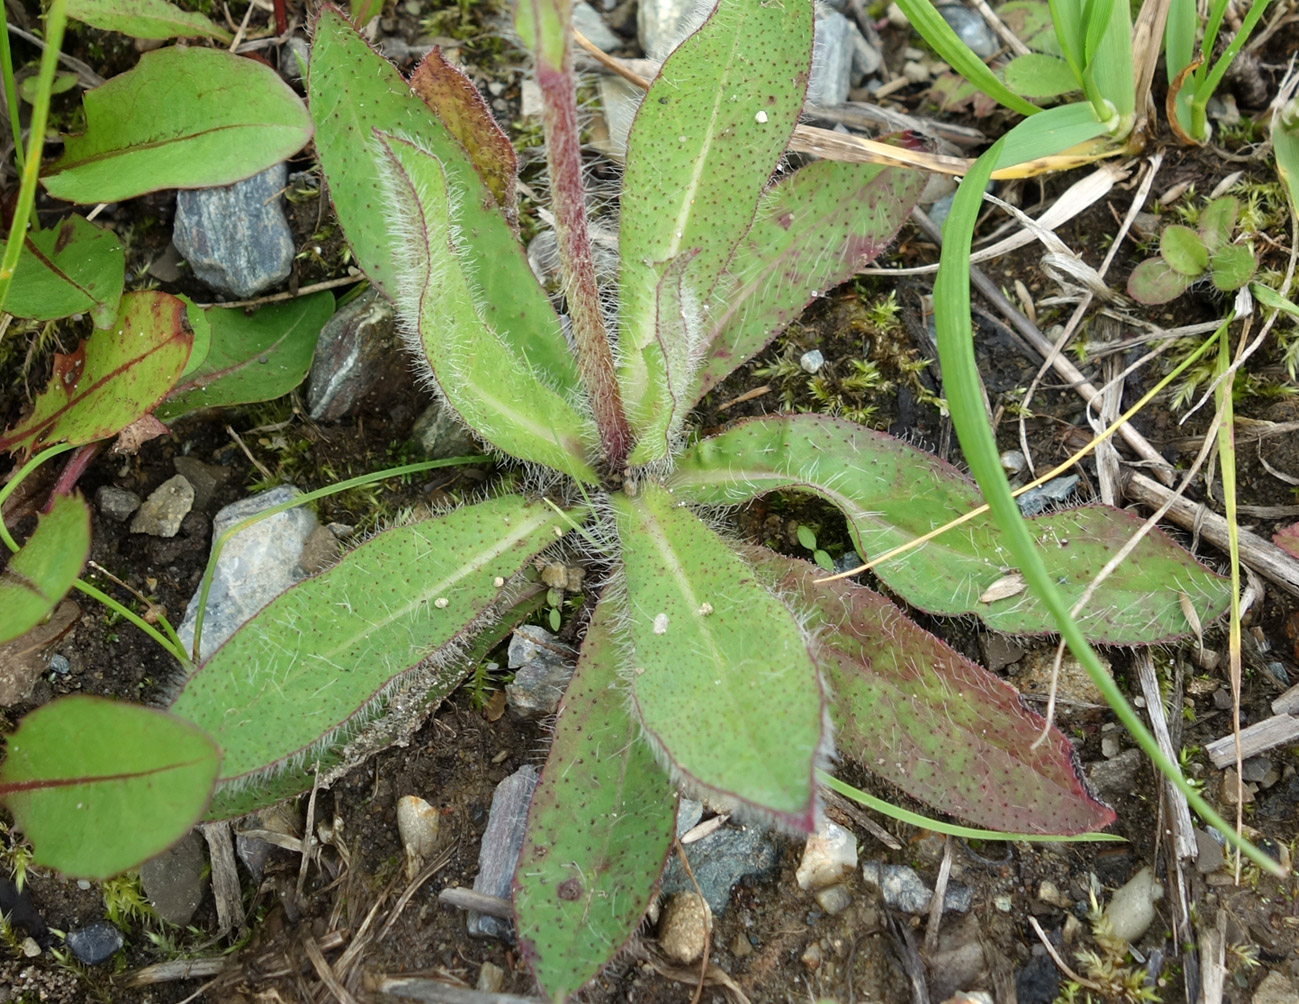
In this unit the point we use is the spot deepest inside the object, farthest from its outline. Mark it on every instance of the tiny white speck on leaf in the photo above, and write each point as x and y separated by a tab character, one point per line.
760	118
441	602
660	623
498	582
705	609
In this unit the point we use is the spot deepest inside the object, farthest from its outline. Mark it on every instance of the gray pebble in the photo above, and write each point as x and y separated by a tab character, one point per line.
59	664
1114	779
972	29
174	880
811	361
236	238
163	510
719	861
352	354
96	943
116	503
499	851
905	890
440	435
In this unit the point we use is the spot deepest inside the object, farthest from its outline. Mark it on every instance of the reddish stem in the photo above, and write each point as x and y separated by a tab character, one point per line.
72	471
564	157
281	18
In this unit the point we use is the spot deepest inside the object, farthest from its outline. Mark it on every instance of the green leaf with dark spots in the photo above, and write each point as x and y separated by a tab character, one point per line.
599	828
735	713
893	493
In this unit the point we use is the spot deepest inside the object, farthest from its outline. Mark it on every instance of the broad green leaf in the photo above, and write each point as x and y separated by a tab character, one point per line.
354	92
1285	142
495	390
893	493
939	34
98	786
1182	248
202	328
1232	266
1050	132
813	230
182	118
734	712
75	267
1154	281
1040	76
1030	20
599	827
252	357
1109	66
114	377
915	712
708	135
383	724
455	101
316	659
1217	221
44	568
146	19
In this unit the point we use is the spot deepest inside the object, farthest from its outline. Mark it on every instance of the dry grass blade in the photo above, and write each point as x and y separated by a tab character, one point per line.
327	976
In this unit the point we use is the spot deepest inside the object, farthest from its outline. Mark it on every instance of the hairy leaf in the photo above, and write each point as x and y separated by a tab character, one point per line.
893	493
1154	281
75	267
458	105
813	230
354	92
599	828
734	711
98	786
705	141
495	389
1233	265
1183	249
310	662
1216	222
182	118
114	377
252	357
146	19
915	712
43	570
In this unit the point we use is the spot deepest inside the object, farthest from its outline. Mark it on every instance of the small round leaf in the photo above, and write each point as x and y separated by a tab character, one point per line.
1182	248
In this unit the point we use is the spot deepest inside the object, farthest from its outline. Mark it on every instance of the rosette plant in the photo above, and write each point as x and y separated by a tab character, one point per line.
707	666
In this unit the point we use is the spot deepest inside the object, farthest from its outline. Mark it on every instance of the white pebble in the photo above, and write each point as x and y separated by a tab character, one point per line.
1131	910
828	855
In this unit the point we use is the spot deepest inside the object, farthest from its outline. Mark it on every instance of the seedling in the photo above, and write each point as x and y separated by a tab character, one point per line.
1187	256
807	537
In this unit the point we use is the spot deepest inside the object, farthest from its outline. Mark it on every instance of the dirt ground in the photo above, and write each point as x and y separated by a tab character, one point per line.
773	944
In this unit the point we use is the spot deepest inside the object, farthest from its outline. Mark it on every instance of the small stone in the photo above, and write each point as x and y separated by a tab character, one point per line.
1209	857
811	361
499	852
1111	746
1073	685
834	900
353	356
832	58
1275	989
96	943
30	948
206	478
1131	909
1228	785
719	861
588	21
828	855
1012	461
684	927
1003	902
1039	981
999	651
904	890
971	29
163	510
661	24
116	503
811	957
59	665
543	666
1256	769
256	565
295	54
1114	779
236	238
417	824
916	73
439	434
491	978
1055	491
741	946
174	880
319	550
254	851
1049	893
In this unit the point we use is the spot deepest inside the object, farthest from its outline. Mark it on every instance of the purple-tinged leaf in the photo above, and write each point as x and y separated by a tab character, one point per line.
734	713
599	828
1154	281
915	712
813	230
98	786
893	494
114	377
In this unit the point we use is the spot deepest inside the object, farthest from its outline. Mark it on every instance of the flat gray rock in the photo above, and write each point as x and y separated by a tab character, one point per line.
256	565
440	434
903	889
719	861
116	503
174	880
499	851
96	943
236	238
352	354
